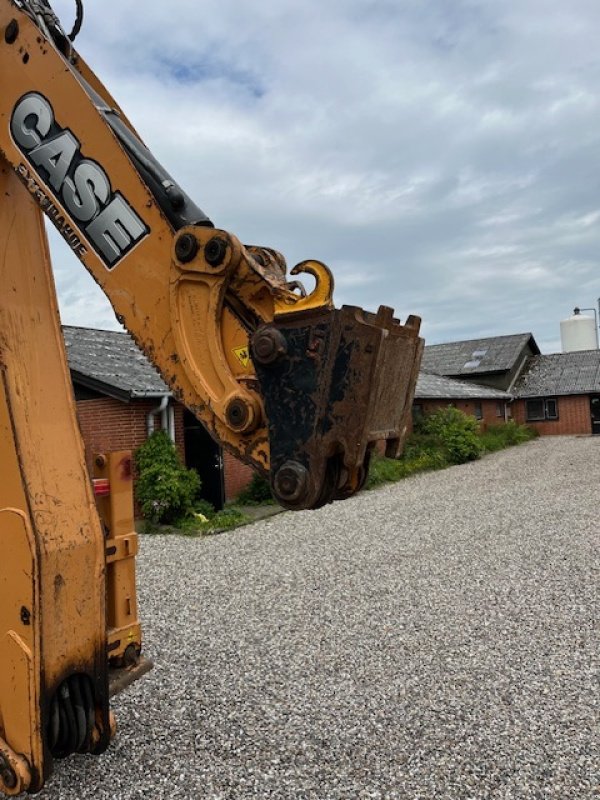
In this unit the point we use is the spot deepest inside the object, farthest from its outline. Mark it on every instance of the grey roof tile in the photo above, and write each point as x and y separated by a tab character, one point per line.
112	361
437	387
477	356
560	374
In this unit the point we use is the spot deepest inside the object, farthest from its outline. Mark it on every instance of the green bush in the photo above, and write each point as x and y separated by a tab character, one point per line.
387	470
256	493
204	507
165	489
497	437
444	438
383	470
457	434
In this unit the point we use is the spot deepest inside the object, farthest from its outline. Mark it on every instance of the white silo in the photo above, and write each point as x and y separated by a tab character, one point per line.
578	333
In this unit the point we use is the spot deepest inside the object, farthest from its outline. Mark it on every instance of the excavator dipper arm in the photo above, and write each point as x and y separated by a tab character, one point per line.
292	386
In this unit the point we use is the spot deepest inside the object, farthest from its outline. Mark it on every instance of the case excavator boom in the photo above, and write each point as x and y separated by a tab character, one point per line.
316	389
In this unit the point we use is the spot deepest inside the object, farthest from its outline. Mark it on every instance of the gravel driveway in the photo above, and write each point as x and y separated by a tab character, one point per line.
437	638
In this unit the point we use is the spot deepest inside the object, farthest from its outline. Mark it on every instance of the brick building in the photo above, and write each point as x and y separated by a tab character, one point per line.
556	394
121	399
560	393
433	392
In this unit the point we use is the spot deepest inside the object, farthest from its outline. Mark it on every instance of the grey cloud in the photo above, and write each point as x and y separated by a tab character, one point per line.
440	156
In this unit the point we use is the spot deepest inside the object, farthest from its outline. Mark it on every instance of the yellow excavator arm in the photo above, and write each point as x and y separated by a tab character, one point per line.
317	388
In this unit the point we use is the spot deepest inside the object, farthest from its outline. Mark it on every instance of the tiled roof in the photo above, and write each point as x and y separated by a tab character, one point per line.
110	361
559	374
436	387
477	356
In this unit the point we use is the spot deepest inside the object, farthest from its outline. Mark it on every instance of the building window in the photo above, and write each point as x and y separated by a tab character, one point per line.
542	409
499	409
417	411
551	408
478	410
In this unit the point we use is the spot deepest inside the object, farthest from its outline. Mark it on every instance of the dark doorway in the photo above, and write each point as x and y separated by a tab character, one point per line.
204	455
595	409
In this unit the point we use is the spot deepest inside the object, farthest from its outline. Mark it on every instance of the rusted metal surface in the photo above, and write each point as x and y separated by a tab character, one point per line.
341	381
15	772
119	678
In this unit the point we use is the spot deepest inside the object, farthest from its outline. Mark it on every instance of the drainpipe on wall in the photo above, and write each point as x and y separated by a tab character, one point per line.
163	410
171	426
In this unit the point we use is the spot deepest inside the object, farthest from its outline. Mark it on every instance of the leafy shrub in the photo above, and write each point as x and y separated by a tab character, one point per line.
256	493
383	470
444	438
497	437
387	470
205	508
457	434
165	489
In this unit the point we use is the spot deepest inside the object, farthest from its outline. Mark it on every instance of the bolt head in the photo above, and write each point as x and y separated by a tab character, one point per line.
8	776
215	251
237	414
186	247
176	198
290	483
268	345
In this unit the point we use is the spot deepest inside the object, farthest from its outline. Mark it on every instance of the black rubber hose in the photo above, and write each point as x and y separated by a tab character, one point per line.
78	21
65	701
59	747
79	712
54	726
88	698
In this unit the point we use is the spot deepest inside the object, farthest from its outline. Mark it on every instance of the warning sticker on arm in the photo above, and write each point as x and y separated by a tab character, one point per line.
243	355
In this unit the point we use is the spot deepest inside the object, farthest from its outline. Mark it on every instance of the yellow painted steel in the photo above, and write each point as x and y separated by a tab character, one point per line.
124	634
181	315
320	297
52	617
189	319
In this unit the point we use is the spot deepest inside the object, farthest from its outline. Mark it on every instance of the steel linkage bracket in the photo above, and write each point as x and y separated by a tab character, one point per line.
334	382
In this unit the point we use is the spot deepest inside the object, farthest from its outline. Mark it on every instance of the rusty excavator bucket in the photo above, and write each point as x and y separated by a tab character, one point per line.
334	382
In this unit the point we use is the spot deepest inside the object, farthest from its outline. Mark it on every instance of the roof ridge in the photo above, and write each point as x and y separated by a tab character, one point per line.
96	330
483	338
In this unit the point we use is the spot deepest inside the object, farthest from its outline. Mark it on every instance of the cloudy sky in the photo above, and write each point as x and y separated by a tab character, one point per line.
442	156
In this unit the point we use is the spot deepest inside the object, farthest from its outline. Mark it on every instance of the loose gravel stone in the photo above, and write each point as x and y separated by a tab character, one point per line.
437	638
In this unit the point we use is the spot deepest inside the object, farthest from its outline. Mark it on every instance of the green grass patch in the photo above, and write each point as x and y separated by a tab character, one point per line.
201	520
442	439
497	437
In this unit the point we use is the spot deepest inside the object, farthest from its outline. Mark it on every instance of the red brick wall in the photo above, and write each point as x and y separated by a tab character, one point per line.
573	416
179	434
107	424
237	476
488	408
